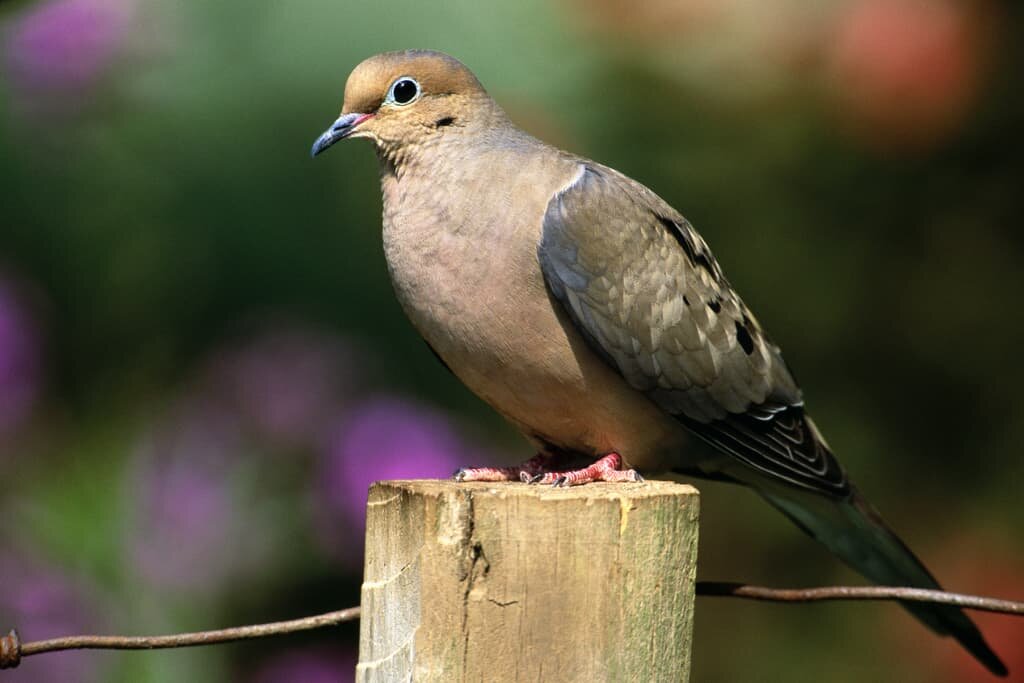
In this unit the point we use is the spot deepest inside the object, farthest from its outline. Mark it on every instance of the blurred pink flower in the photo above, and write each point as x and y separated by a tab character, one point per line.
42	602
288	382
905	72
336	665
185	517
20	359
66	44
196	514
384	438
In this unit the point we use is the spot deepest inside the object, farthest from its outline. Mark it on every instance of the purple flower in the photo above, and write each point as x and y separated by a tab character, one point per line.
288	383
308	666
185	517
384	438
41	602
66	44
207	504
20	361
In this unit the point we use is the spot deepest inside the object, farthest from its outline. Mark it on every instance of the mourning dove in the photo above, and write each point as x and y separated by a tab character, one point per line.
590	314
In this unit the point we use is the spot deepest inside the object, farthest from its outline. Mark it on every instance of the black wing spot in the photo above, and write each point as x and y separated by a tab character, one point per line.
697	256
743	337
684	241
670	225
703	261
715	306
445	121
685	300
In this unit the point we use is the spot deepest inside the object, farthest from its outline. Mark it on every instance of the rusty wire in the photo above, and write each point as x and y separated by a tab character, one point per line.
12	650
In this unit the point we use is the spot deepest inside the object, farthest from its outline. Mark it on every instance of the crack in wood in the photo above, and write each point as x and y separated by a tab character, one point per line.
470	573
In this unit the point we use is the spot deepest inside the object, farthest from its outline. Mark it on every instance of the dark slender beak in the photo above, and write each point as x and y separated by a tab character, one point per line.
339	130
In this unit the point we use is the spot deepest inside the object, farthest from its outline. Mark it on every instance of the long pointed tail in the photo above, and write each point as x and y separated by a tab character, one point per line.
853	530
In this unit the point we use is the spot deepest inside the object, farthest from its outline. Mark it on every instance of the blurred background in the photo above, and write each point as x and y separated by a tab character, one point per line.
202	366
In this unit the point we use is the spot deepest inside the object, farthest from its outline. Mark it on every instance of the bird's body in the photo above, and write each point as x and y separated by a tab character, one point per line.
509	342
590	314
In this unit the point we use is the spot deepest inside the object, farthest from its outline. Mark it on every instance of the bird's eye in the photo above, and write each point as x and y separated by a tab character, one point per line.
404	91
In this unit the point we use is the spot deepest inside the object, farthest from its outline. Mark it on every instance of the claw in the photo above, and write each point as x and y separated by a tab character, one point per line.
528	478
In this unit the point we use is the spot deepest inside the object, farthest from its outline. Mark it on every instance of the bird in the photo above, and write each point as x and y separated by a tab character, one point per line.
593	317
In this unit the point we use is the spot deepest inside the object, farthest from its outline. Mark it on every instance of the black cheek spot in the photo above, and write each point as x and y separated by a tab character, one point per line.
685	300
743	337
715	306
445	121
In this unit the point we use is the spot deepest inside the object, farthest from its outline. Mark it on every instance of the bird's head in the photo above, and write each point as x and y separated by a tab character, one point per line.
399	99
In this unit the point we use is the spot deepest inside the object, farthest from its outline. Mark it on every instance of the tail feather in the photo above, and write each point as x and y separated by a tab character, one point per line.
854	531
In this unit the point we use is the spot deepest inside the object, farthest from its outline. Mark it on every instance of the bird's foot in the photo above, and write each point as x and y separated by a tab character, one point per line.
604	469
524	472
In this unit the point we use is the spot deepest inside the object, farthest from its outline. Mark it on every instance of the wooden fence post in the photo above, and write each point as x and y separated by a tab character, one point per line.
515	582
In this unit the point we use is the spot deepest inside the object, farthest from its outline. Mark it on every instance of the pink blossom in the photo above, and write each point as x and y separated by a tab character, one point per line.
66	44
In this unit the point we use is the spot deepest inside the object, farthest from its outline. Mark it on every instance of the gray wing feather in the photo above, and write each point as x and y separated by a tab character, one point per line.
644	289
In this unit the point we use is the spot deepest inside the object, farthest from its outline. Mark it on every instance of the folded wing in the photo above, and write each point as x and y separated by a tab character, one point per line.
644	289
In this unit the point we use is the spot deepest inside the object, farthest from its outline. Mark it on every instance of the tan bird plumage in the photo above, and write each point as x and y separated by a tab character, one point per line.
590	314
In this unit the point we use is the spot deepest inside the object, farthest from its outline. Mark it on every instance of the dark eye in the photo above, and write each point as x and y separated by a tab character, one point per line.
404	91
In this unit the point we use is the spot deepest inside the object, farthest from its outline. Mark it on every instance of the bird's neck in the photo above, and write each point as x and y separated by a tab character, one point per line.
454	133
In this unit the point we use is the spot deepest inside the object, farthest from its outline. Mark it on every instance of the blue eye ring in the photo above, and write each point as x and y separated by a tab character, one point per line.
405	90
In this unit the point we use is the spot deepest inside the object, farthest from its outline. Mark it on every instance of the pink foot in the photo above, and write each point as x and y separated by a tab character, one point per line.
525	472
604	469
